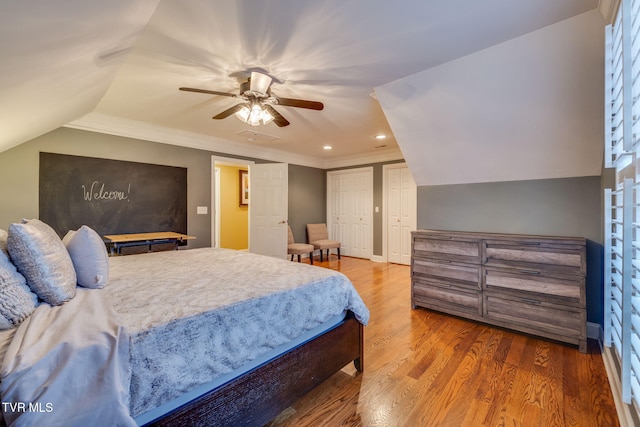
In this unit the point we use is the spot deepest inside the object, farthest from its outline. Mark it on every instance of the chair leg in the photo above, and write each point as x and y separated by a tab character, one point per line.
298	257
320	255
291	257
338	253
311	257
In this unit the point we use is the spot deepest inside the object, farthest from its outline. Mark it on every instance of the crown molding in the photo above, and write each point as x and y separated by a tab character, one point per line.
377	156
608	9
111	125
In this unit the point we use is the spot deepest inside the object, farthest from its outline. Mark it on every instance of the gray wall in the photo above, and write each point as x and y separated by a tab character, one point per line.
19	172
307	186
307	199
553	207
569	207
19	169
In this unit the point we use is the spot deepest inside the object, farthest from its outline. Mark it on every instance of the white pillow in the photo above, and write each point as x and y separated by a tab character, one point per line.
40	256
17	302
89	256
3	241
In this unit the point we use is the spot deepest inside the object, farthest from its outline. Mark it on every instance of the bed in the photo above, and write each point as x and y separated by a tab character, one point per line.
191	337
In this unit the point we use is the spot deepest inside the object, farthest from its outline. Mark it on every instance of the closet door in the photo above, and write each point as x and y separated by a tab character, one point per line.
350	210
401	212
394	216
361	212
339	206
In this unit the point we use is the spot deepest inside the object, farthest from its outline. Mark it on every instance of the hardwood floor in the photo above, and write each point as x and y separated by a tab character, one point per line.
423	368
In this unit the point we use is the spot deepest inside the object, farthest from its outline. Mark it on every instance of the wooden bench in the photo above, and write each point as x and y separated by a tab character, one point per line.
115	242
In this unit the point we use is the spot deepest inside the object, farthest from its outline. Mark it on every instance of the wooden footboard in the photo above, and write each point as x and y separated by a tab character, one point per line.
260	395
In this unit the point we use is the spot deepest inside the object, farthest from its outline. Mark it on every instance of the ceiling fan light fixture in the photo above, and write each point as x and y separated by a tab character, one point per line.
254	115
266	117
257	109
259	83
243	114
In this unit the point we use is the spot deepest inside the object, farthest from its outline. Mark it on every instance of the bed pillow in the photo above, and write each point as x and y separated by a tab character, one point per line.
17	302
39	254
3	241
89	256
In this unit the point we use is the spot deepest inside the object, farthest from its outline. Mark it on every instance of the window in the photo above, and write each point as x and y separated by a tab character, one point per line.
622	215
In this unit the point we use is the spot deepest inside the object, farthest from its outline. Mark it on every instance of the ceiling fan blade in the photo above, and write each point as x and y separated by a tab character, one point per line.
229	111
259	82
300	103
210	92
277	117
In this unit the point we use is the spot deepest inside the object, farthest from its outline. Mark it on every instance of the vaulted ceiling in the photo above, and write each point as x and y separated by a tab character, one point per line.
116	66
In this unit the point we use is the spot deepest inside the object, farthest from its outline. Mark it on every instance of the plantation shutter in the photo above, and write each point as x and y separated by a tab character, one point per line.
622	215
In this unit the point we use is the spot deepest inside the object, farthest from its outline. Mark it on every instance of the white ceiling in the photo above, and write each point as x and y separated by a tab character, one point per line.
116	65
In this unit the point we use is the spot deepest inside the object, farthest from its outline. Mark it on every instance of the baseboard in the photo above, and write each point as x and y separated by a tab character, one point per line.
377	258
625	416
594	331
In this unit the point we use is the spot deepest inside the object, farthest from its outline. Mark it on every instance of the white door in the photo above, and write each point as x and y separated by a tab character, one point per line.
216	209
350	209
362	202
394	209
401	208
268	209
338	217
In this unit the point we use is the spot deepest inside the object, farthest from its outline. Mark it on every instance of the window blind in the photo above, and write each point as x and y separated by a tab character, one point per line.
622	204
613	94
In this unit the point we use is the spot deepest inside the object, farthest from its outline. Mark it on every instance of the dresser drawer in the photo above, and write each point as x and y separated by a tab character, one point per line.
446	297
534	285
565	257
450	248
536	317
468	275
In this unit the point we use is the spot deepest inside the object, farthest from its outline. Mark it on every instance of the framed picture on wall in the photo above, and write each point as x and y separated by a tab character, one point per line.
244	188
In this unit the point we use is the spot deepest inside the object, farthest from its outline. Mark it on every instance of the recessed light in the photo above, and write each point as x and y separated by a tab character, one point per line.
381	136
327	147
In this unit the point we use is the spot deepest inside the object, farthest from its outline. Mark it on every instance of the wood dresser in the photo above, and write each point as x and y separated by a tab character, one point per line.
531	284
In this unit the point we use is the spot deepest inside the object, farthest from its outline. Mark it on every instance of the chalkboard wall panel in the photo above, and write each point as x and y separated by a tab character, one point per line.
111	196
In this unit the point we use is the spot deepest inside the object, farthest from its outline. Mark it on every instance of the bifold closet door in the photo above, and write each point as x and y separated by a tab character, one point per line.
350	206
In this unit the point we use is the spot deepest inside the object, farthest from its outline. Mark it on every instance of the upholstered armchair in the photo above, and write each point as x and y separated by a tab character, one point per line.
319	237
298	248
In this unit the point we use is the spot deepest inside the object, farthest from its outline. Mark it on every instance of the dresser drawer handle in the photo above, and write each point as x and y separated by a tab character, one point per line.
530	301
529	272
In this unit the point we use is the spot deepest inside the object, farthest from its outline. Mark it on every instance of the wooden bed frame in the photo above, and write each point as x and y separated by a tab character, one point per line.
258	396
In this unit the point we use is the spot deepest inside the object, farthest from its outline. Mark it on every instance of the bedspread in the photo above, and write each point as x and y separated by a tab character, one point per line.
67	366
196	314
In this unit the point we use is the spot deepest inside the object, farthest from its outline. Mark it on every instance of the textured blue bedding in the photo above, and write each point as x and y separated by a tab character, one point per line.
214	310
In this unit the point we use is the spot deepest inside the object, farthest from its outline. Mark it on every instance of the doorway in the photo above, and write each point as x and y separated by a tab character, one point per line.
229	222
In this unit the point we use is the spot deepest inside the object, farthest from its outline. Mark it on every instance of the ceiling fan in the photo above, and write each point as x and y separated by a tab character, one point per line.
257	106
